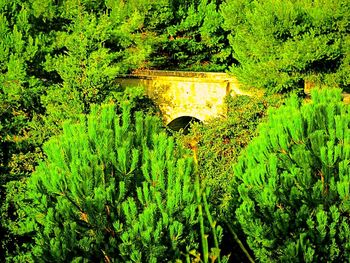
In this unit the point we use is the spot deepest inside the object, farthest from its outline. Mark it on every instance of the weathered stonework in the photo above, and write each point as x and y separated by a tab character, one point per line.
200	95
196	94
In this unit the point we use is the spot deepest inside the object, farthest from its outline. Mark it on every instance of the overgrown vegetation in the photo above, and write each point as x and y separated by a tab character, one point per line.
116	189
293	182
110	186
282	44
220	142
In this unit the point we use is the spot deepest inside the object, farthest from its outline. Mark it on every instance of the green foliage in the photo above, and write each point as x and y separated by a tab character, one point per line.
116	190
280	44
194	40
19	101
293	181
221	141
183	35
19	91
55	60
94	47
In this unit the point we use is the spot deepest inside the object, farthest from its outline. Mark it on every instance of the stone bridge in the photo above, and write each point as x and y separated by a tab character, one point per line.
184	95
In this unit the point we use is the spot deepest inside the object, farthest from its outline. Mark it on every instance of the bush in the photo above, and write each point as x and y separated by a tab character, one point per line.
294	182
220	142
117	190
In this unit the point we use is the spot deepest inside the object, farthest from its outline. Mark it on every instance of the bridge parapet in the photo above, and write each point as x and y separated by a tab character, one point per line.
184	74
199	95
180	93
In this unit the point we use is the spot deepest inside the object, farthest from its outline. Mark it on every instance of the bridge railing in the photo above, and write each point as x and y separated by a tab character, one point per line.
168	73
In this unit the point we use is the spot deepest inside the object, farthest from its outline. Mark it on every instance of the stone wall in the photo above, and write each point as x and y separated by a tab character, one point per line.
196	94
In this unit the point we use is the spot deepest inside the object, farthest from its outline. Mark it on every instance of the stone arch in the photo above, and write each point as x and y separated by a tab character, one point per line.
183	122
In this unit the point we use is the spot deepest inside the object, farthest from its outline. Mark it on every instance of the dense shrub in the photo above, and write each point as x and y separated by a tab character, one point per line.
220	143
20	92
221	140
115	189
294	182
56	58
282	43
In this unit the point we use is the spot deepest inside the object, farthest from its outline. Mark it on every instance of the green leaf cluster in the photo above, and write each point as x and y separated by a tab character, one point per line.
115	188
56	59
194	39
221	141
293	182
20	92
282	44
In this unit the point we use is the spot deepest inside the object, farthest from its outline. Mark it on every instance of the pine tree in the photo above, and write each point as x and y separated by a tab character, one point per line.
293	181
115	188
20	92
282	44
194	39
56	58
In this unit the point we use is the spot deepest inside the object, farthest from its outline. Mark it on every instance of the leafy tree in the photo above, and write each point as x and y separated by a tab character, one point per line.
293	182
282	44
56	58
19	91
19	101
113	189
98	43
194	39
178	34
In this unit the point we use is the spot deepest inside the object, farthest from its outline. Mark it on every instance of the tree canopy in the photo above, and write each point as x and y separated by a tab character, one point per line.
281	44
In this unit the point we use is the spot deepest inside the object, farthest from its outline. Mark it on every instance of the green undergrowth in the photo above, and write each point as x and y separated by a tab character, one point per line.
220	143
292	182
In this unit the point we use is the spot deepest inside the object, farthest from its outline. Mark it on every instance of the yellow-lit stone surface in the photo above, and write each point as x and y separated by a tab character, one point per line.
195	94
200	95
346	97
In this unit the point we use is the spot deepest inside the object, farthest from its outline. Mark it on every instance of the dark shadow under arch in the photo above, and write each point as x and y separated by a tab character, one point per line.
183	123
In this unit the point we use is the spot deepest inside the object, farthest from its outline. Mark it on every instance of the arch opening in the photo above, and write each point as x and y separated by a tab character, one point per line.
183	123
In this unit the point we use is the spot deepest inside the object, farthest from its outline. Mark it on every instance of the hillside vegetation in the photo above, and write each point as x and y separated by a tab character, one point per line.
88	173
